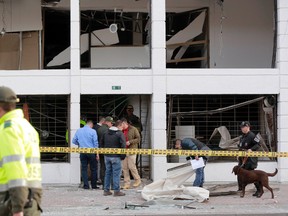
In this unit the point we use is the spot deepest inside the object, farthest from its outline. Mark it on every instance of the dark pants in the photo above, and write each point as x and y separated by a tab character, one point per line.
250	164
102	168
90	159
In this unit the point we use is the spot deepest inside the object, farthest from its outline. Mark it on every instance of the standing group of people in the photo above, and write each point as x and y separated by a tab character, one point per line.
108	133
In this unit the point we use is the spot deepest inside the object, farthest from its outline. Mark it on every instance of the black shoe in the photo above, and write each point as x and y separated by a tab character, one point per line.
94	188
256	194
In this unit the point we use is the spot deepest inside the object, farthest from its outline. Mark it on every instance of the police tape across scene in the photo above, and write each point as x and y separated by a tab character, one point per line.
163	152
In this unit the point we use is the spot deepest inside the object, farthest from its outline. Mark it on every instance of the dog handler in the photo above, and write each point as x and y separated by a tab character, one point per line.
248	142
20	167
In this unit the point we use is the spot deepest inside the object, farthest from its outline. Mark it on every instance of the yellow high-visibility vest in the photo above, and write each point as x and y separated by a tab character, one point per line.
82	124
20	164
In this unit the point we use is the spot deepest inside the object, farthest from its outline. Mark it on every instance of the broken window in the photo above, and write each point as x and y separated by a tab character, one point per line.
231	40
109	31
106	32
94	106
187	39
49	116
19	40
56	38
215	119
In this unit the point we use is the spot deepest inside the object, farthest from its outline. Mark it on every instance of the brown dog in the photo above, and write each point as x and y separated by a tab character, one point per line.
251	176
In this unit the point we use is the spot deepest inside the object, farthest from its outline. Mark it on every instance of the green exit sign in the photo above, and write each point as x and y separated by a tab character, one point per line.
116	87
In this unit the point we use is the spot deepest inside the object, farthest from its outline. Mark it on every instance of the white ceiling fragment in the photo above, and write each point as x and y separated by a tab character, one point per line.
191	31
102	37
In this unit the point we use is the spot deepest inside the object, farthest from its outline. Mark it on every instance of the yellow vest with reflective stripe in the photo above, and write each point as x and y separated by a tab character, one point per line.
19	152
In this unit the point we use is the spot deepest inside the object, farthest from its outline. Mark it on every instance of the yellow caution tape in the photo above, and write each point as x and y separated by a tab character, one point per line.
163	152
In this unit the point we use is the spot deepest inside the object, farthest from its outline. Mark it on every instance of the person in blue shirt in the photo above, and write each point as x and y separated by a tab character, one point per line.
86	137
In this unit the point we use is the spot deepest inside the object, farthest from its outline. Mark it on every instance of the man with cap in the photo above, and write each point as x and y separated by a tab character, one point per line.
248	142
20	167
108	122
113	138
132	118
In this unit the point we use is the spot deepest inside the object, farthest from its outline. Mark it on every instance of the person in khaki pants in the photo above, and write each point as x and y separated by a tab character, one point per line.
133	138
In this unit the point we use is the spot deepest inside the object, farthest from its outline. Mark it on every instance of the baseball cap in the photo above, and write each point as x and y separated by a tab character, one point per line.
109	119
7	95
244	124
129	107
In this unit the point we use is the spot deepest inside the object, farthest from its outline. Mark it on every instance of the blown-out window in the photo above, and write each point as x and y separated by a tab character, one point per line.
48	114
215	119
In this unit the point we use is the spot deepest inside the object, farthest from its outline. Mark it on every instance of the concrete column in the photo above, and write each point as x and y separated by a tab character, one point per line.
282	64
158	106
75	37
75	81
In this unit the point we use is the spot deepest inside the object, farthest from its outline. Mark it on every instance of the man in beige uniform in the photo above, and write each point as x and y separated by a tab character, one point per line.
133	138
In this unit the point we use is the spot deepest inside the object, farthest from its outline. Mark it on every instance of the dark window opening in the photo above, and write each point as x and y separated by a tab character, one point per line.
93	106
189	49
56	36
48	114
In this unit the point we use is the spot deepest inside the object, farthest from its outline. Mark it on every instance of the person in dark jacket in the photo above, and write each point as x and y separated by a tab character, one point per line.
248	142
132	118
106	124
113	138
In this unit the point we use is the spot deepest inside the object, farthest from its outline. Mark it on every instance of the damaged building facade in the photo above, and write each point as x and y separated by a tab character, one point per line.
189	67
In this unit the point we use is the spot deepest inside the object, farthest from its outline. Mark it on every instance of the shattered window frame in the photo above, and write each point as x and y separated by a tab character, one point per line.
187	50
111	34
211	114
49	115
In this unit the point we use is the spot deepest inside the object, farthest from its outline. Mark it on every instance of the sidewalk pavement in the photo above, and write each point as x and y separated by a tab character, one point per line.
63	200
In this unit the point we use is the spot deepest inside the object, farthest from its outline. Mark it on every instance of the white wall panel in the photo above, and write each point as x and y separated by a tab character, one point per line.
283	67
282	3
216	84
283	14
158	39
159	117
159	61
283	122
245	38
103	84
156	10
24	15
37	84
282	54
56	172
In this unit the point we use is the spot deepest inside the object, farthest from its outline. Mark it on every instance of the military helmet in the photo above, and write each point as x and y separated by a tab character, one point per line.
7	95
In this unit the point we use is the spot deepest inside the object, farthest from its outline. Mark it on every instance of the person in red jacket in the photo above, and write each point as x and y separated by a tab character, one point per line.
133	138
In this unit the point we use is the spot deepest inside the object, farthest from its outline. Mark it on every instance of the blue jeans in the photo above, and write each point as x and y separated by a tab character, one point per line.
90	159
199	179
113	170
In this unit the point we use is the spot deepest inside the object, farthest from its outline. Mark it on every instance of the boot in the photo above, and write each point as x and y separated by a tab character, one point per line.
137	183
239	184
107	193
119	193
257	193
126	186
